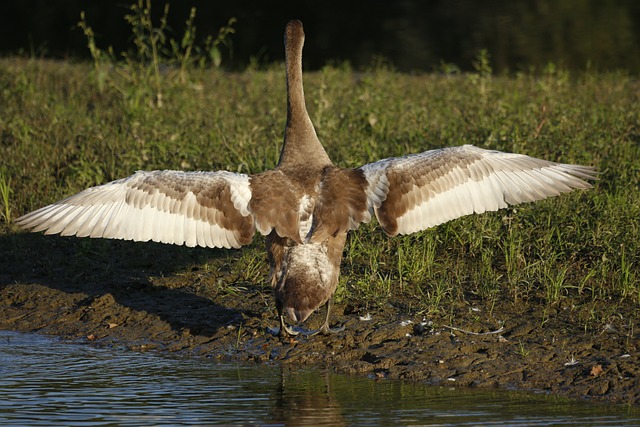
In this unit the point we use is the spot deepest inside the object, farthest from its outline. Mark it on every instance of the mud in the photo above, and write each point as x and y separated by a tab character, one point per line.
163	298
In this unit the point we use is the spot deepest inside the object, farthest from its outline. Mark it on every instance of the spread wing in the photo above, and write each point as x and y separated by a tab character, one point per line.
209	209
423	190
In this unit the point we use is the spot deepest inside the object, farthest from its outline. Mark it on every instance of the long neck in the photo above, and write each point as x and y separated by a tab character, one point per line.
301	144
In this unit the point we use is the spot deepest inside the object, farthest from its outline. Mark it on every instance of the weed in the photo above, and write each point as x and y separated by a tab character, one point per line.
5	196
141	77
252	266
437	294
629	284
482	77
555	282
239	335
522	349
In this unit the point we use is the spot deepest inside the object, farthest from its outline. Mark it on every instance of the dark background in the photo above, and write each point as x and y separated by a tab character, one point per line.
414	35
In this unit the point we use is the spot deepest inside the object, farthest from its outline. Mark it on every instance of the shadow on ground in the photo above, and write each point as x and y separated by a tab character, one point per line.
103	273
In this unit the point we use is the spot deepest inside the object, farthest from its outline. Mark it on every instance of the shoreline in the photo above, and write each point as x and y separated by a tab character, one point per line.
172	314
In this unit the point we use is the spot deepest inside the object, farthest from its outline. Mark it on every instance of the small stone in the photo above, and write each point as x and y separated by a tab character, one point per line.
596	370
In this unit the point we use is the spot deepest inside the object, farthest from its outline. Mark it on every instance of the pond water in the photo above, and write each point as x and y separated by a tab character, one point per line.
44	382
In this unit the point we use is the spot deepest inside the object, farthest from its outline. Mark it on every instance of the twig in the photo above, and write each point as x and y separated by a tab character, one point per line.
453	328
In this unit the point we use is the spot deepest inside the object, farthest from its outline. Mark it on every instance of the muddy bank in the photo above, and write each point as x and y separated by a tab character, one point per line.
156	297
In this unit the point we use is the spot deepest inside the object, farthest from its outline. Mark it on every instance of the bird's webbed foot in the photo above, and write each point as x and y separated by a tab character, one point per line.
285	330
292	331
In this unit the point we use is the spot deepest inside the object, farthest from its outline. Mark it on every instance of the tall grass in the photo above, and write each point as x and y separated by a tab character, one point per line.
140	74
61	133
5	196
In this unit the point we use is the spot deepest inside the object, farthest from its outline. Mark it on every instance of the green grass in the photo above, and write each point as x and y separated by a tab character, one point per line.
5	196
60	133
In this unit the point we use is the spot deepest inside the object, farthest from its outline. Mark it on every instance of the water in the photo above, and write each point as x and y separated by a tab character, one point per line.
46	382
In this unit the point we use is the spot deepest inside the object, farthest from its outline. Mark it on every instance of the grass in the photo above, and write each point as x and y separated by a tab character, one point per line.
61	132
5	196
136	74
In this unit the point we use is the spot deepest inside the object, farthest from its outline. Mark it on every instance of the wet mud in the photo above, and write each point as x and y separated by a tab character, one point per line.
149	297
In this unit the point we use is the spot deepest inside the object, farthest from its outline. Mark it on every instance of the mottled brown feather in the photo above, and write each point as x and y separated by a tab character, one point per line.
214	201
275	203
193	208
342	203
301	286
436	186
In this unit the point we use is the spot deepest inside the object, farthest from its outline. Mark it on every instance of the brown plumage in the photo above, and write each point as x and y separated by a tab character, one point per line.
306	205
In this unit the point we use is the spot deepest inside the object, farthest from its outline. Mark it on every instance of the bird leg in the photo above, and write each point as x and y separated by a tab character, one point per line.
284	330
325	329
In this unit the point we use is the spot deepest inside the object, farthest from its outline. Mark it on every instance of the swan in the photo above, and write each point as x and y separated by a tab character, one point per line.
306	205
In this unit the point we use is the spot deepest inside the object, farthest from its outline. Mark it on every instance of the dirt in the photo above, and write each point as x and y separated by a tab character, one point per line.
164	298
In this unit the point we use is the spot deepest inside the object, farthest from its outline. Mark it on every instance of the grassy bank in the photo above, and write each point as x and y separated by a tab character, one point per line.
62	131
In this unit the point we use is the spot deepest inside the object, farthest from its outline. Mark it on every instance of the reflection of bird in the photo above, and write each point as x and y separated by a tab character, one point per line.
306	205
306	398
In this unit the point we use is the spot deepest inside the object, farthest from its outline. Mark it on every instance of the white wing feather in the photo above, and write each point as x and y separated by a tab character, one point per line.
423	190
191	208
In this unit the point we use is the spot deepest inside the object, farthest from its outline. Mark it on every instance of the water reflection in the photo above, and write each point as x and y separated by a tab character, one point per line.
47	382
306	398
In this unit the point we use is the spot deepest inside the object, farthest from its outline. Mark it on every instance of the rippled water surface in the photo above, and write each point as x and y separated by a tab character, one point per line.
47	382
